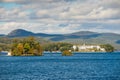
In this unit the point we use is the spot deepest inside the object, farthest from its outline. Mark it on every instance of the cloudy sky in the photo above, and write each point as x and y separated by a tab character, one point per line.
60	16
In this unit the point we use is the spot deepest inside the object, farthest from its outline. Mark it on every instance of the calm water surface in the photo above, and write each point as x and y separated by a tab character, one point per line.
87	66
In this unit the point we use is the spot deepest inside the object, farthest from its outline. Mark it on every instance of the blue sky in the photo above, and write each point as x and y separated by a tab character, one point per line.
60	16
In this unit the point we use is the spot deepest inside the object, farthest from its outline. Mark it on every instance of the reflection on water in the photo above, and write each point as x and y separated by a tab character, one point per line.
89	66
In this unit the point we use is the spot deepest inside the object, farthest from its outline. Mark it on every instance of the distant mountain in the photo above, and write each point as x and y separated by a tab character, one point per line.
84	33
60	37
53	37
76	35
80	37
20	33
25	33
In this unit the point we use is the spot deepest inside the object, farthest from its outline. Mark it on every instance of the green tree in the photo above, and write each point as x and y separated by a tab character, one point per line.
108	47
20	48
31	51
77	49
26	48
15	52
38	50
58	47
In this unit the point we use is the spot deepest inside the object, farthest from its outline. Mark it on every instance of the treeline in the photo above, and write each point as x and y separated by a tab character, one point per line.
27	46
60	46
31	46
34	46
108	47
5	43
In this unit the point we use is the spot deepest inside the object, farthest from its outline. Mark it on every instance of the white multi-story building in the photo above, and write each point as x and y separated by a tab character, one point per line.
88	48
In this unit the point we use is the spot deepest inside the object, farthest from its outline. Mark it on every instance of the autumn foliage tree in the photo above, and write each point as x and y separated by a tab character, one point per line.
27	46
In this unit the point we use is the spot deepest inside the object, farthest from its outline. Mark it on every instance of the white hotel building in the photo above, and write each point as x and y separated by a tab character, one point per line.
88	48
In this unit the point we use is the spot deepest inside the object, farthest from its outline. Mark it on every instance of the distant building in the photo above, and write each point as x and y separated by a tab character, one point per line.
74	47
88	48
9	53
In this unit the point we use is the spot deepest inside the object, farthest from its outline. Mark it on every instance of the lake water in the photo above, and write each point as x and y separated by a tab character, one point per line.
87	66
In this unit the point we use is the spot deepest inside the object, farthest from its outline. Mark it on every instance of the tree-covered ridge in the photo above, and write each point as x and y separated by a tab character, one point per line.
27	46
6	43
60	46
35	46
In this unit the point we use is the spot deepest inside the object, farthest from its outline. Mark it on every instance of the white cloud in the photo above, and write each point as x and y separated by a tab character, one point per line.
39	27
46	15
103	13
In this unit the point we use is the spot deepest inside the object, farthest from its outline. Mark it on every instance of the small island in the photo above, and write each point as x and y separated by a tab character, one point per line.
26	47
67	53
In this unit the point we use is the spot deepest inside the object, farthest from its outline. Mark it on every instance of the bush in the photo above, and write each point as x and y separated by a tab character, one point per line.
67	53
